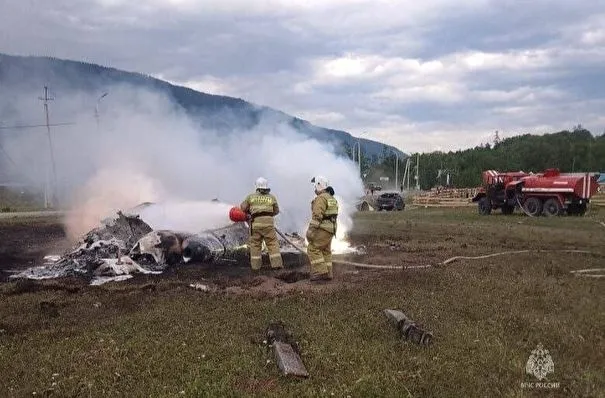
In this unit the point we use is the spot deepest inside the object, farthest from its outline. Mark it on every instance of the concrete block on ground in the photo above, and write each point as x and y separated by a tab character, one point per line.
289	362
395	317
286	349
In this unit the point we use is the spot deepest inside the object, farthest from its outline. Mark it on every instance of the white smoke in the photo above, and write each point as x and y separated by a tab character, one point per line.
146	149
191	216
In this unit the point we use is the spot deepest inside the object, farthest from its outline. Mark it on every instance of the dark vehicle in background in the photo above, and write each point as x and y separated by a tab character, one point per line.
390	201
373	187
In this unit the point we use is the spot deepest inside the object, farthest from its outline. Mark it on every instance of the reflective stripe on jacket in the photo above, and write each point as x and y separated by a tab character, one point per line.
262	207
324	209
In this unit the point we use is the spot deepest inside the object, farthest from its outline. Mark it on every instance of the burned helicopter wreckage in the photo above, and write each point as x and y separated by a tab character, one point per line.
125	244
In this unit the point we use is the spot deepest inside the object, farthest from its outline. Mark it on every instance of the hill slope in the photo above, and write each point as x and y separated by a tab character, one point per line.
220	113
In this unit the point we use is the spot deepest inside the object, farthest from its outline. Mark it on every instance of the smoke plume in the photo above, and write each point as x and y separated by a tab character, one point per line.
145	149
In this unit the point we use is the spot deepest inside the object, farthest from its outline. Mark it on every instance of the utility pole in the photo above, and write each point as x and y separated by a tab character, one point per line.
409	173
396	171
406	175
46	98
359	155
417	172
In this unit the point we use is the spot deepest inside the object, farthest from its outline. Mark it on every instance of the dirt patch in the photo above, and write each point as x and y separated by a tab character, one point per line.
69	285
257	386
267	283
277	331
267	286
292	276
24	243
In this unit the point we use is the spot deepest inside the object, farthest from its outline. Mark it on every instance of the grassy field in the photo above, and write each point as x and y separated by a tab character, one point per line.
157	337
12	200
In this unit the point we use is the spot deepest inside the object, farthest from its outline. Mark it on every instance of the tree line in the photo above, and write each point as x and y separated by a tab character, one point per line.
577	150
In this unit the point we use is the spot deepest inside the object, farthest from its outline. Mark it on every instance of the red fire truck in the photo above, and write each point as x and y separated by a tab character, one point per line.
551	192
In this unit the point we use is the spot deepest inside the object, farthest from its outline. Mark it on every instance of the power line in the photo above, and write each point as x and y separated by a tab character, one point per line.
34	125
11	161
8	157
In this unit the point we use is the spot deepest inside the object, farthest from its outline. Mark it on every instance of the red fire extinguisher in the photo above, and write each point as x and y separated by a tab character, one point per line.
237	215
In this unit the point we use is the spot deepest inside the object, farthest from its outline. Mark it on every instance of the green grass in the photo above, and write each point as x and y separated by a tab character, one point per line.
161	339
14	201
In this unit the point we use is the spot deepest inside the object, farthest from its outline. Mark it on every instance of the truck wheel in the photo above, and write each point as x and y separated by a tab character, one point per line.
485	207
552	207
533	206
507	209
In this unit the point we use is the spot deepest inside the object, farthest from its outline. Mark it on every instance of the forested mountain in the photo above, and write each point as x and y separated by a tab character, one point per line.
220	113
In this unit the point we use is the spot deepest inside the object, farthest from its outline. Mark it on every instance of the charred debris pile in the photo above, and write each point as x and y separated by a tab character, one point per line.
126	244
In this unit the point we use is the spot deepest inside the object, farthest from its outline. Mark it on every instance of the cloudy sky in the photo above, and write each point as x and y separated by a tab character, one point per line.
418	74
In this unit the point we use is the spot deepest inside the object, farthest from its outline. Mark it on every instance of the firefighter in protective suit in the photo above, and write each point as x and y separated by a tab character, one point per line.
261	206
321	230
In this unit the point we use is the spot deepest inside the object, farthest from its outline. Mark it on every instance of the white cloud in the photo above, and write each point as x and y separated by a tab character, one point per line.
594	37
436	93
344	67
410	75
249	8
370	66
524	94
421	75
525	59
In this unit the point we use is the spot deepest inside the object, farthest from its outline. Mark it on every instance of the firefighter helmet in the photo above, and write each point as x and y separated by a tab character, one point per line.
320	183
261	183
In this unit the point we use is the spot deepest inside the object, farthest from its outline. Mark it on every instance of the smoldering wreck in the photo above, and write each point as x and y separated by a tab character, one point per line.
125	244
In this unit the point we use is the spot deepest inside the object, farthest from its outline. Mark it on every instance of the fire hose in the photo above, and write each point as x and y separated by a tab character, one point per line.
351	263
521	206
289	241
445	262
453	259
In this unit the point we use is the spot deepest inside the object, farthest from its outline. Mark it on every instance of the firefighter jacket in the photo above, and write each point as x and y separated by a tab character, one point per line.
324	210
262	207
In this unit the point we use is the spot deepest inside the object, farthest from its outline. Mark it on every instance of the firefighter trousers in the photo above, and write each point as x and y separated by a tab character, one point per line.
266	233
319	251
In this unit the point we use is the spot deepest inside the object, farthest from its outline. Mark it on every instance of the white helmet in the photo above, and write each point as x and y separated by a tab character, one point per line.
320	183
261	183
